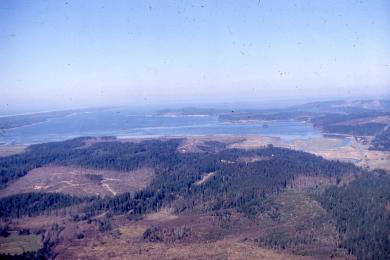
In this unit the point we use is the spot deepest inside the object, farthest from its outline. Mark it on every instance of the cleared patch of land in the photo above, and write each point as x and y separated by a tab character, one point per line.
126	241
36	223
164	214
17	244
205	178
200	143
307	232
253	142
80	181
106	247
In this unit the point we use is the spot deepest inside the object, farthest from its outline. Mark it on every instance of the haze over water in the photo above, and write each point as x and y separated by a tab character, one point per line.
124	122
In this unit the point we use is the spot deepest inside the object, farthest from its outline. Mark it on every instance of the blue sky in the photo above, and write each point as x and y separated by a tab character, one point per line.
88	53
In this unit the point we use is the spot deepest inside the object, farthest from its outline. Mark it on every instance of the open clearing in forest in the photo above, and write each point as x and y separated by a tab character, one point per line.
17	244
80	181
301	219
205	178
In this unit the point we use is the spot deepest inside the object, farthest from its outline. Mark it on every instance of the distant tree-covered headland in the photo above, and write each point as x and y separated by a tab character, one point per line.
358	118
13	121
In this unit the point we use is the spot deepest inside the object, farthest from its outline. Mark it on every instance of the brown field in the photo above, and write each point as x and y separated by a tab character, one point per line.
193	144
125	241
211	237
253	142
162	215
224	249
37	223
77	181
17	244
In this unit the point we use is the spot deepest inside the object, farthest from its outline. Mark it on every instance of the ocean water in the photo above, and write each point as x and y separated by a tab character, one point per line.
122	122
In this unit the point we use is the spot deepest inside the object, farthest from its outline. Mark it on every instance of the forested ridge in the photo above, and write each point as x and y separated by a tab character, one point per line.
106	155
331	120
234	183
30	204
381	141
362	212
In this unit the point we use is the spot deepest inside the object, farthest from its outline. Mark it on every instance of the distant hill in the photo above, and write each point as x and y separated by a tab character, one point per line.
356	106
366	118
190	111
13	121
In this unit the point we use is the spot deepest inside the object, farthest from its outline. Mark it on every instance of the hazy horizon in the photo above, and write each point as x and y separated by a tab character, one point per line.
60	55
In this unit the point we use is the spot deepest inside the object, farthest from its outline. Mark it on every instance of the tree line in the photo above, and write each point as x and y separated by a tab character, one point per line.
362	213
